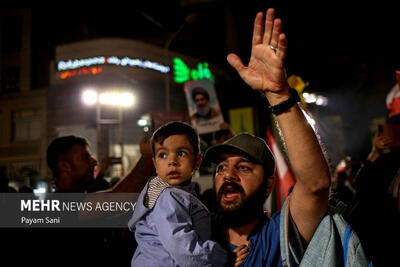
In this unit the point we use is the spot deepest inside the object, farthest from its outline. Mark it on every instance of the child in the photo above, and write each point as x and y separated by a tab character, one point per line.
171	226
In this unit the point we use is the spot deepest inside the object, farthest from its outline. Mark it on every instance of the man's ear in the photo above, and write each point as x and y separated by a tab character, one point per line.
63	166
197	162
270	184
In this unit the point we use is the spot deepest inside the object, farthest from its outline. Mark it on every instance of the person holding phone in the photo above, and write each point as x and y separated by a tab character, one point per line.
375	213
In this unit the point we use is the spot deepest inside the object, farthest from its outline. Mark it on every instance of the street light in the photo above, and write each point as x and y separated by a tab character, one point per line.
319	100
89	97
114	98
119	99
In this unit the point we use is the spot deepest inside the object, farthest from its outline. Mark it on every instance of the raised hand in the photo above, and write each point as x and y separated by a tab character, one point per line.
104	164
380	143
265	70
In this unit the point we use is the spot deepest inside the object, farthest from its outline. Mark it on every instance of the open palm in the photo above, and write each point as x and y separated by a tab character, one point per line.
265	70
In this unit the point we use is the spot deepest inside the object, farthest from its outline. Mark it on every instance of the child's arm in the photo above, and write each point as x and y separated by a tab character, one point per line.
175	228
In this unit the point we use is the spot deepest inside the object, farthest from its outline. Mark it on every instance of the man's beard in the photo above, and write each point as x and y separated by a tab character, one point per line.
241	212
203	111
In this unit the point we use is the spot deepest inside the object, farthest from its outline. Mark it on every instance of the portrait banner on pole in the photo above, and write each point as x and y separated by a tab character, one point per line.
393	98
203	106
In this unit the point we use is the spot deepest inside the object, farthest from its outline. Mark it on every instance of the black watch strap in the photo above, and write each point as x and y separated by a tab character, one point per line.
287	104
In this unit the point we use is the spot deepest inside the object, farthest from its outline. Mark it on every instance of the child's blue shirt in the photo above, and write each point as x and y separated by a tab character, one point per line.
176	231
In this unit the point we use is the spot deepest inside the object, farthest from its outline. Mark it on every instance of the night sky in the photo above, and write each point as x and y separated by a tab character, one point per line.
348	54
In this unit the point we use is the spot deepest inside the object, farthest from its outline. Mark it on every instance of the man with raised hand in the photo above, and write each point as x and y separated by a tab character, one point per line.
245	164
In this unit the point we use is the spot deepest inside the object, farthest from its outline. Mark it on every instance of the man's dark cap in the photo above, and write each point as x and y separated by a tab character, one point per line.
248	145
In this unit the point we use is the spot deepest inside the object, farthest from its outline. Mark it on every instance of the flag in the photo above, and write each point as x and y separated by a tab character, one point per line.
393	98
284	177
297	83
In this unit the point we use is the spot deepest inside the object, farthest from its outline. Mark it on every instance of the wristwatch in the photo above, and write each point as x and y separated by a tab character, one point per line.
287	104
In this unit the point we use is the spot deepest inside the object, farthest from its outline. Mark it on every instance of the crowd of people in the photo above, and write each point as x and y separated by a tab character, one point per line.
172	225
368	197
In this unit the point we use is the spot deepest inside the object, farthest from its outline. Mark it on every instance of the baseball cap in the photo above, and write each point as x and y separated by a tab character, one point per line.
246	144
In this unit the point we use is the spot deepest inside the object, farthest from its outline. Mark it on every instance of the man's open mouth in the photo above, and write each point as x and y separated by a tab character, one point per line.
230	196
230	192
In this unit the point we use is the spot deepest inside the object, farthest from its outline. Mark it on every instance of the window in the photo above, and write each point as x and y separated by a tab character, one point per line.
26	125
10	80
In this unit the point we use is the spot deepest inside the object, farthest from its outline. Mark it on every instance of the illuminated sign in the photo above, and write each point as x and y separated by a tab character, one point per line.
79	63
126	61
81	71
93	66
182	73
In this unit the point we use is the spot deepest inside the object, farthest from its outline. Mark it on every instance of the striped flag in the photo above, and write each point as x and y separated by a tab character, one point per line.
393	98
284	177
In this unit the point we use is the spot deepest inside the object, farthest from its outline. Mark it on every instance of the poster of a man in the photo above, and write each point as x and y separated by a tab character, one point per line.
204	110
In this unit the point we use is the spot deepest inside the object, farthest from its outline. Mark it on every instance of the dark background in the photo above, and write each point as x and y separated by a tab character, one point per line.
347	53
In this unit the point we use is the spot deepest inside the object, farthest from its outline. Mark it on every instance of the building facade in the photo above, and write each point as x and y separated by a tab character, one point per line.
41	94
152	75
22	108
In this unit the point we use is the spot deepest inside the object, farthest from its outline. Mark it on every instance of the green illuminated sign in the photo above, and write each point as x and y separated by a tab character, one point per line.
182	73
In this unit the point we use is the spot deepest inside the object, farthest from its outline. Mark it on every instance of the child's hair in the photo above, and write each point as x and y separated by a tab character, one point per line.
176	128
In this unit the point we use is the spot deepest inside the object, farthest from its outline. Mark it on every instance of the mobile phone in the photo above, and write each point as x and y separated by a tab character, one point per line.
392	131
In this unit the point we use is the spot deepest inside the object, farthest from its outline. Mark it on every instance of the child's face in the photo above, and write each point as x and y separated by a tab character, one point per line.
174	159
